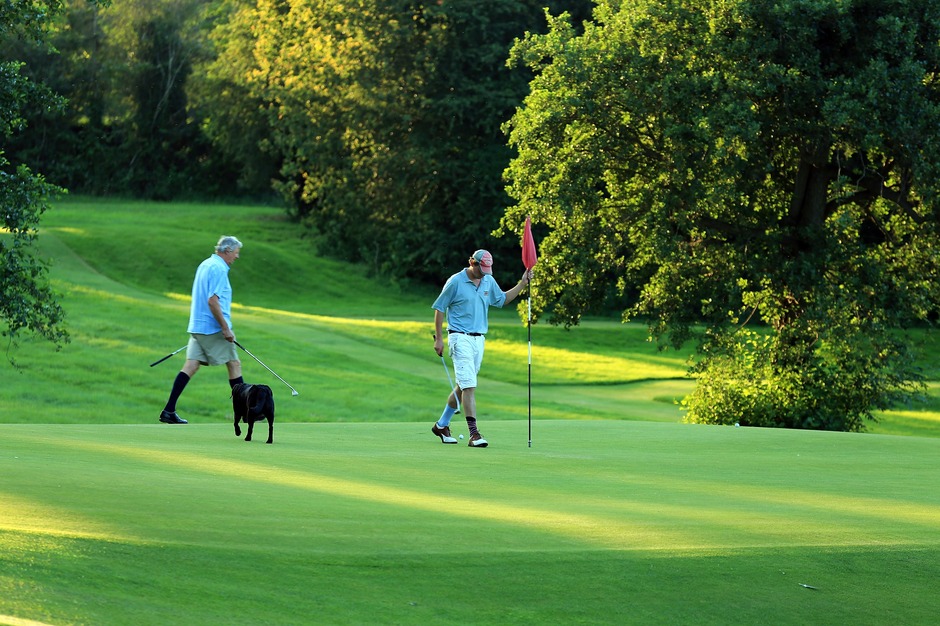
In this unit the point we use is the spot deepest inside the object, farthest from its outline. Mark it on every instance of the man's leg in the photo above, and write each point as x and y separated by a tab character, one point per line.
441	427
470	410
469	401
469	375
168	415
450	408
234	373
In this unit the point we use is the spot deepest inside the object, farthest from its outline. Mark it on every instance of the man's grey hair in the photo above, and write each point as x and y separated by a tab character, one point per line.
227	243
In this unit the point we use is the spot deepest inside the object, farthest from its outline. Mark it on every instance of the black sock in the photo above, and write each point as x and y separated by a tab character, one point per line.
472	425
178	385
236	381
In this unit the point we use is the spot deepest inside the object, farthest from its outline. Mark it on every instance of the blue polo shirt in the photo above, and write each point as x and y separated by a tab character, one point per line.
467	305
211	280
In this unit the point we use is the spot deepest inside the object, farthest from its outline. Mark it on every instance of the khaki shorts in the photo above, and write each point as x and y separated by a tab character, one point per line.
211	349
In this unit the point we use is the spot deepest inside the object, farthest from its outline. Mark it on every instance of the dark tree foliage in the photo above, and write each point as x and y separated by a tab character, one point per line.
164	145
762	175
27	303
126	73
385	118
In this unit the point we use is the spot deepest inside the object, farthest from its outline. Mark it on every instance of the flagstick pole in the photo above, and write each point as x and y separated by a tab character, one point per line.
529	259
529	326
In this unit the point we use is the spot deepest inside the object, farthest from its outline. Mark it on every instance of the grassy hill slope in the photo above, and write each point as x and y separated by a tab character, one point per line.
356	347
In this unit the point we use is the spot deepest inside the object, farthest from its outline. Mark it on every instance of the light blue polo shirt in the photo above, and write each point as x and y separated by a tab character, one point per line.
211	280
467	305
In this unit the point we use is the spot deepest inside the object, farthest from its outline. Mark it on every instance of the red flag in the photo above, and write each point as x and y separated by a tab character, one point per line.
529	257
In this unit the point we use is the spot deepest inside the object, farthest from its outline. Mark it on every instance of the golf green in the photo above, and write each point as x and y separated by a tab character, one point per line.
596	522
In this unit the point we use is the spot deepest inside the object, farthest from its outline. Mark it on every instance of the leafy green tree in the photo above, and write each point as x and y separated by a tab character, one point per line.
27	302
232	114
126	72
153	46
67	62
764	175
384	119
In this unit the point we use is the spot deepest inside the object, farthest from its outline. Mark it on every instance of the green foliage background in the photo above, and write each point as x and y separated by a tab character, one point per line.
758	179
377	124
26	302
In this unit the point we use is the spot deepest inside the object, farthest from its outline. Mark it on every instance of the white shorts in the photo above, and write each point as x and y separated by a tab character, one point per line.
467	354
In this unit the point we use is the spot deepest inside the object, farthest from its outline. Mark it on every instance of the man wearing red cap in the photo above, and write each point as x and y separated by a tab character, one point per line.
465	301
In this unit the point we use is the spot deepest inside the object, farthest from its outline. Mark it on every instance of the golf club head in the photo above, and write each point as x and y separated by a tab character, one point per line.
294	393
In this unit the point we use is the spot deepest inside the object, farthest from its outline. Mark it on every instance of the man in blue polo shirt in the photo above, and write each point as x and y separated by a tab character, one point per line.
211	340
465	300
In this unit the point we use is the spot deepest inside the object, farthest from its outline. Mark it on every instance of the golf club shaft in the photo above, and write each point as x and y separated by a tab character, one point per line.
167	356
451	383
293	391
449	380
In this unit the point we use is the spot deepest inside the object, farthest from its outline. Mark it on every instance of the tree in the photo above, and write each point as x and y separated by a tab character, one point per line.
65	142
126	73
233	114
763	174
384	118
26	300
152	46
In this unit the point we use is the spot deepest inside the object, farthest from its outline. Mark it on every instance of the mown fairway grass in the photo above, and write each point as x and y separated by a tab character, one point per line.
600	522
618	513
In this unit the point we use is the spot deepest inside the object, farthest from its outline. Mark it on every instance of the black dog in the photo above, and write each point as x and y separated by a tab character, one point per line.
253	403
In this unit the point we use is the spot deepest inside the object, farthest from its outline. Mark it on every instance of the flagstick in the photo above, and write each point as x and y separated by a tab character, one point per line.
529	326
529	259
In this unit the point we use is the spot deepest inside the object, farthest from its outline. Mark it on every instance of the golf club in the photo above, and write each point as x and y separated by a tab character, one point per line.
449	381
293	391
167	356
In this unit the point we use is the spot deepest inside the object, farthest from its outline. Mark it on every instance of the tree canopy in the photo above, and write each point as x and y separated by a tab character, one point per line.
762	177
26	299
385	118
376	122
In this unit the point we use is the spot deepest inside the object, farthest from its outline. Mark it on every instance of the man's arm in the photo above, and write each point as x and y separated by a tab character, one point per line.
216	309
515	291
438	330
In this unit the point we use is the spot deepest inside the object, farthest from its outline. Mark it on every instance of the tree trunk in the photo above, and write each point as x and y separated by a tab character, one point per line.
810	194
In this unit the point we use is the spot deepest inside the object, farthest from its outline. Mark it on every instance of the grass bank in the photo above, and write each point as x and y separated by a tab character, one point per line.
356	347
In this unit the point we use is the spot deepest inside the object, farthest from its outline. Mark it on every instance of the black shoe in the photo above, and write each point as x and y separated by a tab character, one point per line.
170	417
